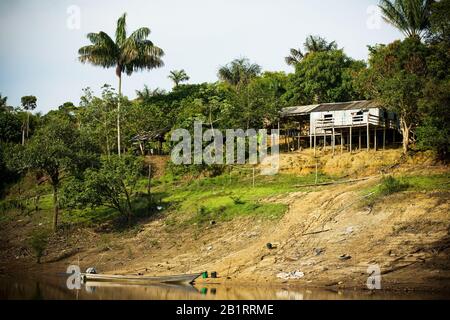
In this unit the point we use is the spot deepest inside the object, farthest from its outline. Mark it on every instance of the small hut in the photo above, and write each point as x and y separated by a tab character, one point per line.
157	136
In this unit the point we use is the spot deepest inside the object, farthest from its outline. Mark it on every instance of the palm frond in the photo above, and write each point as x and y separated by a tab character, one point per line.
140	34
409	16
121	30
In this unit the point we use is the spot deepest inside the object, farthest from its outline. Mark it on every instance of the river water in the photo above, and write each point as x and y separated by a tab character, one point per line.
54	288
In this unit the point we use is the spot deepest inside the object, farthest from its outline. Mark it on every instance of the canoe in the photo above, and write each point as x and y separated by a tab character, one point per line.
175	279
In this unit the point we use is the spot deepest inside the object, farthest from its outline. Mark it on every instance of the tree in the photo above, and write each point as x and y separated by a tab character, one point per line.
312	44
126	54
412	17
145	94
178	76
58	150
28	104
434	132
395	78
4	107
239	72
325	76
439	30
112	185
97	116
10	127
296	55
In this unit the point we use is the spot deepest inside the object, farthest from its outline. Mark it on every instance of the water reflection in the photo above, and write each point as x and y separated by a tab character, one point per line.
55	288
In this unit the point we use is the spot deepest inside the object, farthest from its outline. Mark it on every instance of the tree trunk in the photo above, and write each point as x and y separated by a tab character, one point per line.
28	124
23	135
56	207
119	74
406	133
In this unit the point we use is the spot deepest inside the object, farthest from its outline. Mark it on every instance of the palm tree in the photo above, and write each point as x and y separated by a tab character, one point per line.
412	17
239	71
4	104
126	54
28	104
312	44
318	44
146	93
178	76
295	57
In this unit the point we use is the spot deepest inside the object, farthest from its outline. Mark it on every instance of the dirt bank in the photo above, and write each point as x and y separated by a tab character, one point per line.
331	234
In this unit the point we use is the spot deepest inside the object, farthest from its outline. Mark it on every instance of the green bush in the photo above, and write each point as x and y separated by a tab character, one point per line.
390	185
38	242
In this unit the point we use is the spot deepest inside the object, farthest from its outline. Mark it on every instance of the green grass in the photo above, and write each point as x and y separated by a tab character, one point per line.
390	185
197	201
223	198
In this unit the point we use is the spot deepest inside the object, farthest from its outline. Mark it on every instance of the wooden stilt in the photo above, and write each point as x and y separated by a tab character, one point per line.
368	136
315	141
375	138
350	139
359	131
384	137
333	140
342	142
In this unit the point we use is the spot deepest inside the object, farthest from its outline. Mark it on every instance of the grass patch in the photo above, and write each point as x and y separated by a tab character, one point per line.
227	196
192	201
390	185
272	211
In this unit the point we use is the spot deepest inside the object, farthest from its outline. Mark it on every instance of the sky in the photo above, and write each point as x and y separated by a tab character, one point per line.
39	39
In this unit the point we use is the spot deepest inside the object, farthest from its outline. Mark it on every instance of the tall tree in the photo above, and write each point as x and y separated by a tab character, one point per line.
58	149
178	76
412	17
296	55
440	23
126	54
3	103
312	44
239	72
396	78
29	103
324	77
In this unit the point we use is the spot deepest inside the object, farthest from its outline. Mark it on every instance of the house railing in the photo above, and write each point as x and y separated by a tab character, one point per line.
360	119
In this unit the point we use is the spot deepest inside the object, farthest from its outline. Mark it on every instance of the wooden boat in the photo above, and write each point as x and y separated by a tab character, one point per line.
175	279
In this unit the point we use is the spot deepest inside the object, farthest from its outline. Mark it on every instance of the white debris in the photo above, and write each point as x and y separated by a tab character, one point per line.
159	208
349	230
290	275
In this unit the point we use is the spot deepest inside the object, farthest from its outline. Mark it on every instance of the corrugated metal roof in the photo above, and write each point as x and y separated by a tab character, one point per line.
300	110
352	105
324	107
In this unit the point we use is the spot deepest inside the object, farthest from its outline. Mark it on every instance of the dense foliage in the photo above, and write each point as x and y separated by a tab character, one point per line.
77	147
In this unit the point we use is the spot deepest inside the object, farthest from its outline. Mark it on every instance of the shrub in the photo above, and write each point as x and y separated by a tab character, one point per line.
38	242
390	185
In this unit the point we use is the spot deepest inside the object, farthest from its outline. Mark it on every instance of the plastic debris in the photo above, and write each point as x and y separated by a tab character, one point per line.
290	275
